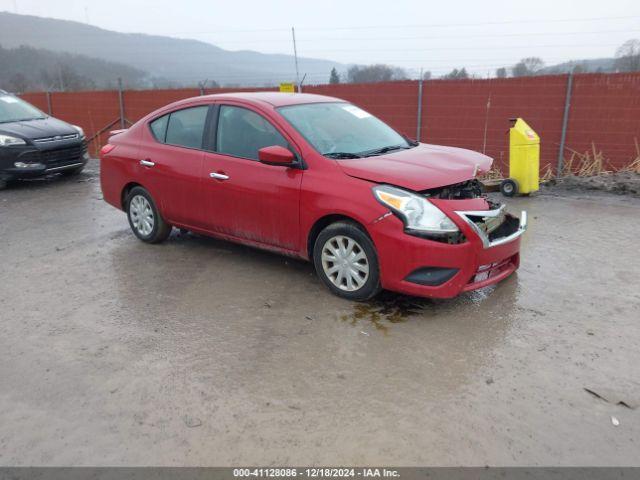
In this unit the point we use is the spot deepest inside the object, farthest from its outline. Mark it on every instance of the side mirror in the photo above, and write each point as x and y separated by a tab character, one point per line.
276	155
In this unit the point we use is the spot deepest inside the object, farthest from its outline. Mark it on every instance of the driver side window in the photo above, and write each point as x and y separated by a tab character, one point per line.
242	132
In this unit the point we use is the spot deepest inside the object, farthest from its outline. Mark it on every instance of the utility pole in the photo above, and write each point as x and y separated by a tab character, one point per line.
419	119
486	124
49	108
121	104
565	122
295	55
60	77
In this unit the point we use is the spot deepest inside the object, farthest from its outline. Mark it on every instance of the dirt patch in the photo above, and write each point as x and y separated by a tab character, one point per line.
623	183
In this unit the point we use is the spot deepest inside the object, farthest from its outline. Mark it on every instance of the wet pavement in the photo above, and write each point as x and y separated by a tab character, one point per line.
201	352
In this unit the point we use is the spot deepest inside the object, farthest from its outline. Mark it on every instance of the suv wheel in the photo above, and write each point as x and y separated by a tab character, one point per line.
346	261
144	219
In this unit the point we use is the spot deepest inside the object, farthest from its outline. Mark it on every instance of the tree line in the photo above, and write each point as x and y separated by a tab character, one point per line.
31	69
627	59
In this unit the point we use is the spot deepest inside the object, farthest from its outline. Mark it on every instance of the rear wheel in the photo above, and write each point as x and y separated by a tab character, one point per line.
3	184
346	261
144	219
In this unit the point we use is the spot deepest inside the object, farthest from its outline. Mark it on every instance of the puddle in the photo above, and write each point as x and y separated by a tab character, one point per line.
386	310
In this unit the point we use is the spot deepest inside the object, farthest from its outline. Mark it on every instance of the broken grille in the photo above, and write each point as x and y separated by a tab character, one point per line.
495	227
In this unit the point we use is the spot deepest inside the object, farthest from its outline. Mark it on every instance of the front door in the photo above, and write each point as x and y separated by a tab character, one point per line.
243	197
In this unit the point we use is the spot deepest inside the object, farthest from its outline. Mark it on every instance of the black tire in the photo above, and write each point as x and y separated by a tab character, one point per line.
371	286
3	184
509	187
160	230
73	171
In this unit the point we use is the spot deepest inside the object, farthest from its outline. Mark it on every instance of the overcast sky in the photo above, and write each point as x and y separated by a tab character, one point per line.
436	35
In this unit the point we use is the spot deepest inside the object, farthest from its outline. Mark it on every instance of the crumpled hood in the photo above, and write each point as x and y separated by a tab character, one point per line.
419	168
30	129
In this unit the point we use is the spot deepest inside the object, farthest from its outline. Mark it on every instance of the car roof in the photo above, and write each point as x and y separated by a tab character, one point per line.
276	99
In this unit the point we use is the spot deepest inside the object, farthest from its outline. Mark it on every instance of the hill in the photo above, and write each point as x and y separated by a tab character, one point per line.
28	68
180	61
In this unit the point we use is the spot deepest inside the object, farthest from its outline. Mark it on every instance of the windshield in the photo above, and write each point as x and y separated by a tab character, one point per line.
342	130
12	109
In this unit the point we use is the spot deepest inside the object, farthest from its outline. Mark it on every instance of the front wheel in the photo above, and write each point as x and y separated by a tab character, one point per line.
346	261
144	219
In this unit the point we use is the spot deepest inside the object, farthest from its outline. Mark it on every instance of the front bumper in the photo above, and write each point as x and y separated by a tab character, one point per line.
427	268
23	162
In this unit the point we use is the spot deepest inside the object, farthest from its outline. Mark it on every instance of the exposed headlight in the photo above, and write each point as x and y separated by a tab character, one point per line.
6	141
80	130
418	213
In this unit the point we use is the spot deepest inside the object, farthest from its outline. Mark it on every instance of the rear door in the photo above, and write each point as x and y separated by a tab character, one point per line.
172	161
243	197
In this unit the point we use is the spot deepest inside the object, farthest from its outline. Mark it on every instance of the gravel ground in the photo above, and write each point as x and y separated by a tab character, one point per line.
200	352
623	183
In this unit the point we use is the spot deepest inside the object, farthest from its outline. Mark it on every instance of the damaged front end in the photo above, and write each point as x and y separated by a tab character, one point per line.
454	239
459	191
495	227
486	218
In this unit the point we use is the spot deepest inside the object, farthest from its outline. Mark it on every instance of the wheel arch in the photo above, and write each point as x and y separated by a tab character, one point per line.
323	222
125	192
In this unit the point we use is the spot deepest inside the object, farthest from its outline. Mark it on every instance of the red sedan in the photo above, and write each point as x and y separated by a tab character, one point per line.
317	178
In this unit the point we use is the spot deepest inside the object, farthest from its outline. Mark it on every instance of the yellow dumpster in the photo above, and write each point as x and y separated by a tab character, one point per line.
524	160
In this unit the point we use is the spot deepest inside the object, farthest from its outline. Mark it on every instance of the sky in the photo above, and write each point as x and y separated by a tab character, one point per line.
436	36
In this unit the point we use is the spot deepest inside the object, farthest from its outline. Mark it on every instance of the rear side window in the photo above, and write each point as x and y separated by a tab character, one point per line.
159	128
242	133
184	128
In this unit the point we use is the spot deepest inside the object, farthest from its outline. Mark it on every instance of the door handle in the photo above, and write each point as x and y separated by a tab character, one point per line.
147	163
219	176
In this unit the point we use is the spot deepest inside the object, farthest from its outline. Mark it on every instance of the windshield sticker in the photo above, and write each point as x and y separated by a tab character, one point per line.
9	99
358	112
